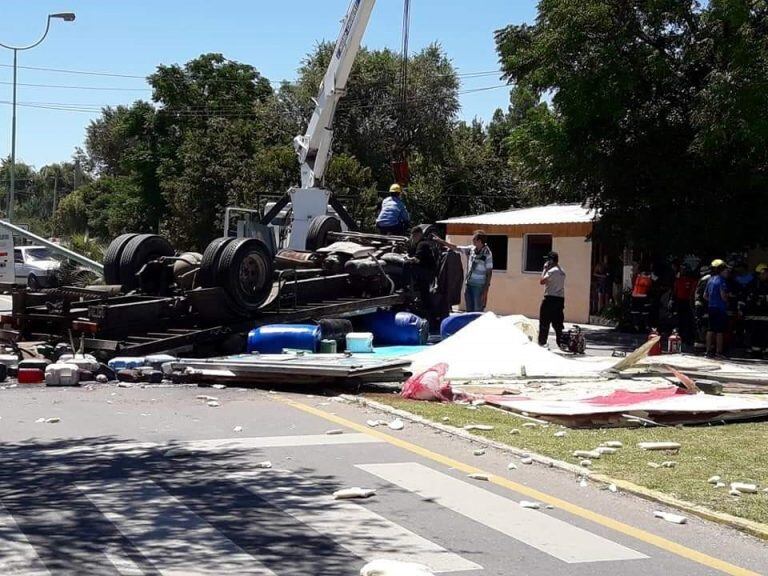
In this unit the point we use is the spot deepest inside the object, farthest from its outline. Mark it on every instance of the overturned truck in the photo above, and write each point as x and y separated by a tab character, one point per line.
155	298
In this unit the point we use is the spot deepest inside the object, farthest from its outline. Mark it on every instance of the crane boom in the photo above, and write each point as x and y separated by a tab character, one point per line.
313	148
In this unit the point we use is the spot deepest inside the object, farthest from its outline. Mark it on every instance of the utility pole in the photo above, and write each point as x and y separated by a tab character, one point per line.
67	17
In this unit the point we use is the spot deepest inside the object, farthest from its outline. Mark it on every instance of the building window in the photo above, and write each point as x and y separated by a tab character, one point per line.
499	246
535	248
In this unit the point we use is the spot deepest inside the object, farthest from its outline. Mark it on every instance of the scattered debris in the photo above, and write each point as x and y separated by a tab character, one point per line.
733	492
219	386
206	397
613	488
478	476
481	427
478	402
124	385
549	507
659	445
527	460
594	454
40	420
612	444
237	429
654	465
744	488
351	493
445	419
673	518
373	423
714	479
266	464
529	425
53	420
583	483
213	403
668	464
102	378
479	452
514	431
561	434
394	568
511	466
396	424
720	485
334	432
586	463
530	505
605	450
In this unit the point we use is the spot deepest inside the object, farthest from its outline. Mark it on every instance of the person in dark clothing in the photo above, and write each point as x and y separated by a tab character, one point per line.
683	290
553	305
423	258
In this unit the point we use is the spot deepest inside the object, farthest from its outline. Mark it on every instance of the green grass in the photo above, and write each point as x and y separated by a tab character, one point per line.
737	452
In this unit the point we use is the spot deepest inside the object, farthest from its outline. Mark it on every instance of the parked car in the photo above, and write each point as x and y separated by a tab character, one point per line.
35	266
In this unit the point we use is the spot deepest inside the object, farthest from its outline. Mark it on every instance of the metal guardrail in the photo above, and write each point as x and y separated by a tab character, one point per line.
72	255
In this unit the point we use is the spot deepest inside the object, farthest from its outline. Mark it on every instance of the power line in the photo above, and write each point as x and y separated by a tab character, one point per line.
70	87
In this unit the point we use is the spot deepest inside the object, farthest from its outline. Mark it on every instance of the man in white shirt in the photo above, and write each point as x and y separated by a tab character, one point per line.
551	311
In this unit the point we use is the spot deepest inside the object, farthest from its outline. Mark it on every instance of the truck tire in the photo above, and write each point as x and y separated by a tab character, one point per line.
112	258
245	272
317	235
210	264
137	252
428	229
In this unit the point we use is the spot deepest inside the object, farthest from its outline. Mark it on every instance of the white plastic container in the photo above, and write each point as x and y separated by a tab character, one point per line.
9	360
360	342
82	361
62	375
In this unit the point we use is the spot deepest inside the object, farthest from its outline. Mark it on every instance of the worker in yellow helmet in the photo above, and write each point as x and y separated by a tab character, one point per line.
716	295
393	217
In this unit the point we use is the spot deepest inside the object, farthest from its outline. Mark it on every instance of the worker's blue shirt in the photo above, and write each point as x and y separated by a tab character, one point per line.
715	287
393	212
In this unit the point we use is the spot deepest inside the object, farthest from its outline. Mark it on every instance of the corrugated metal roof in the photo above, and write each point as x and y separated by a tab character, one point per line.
552	214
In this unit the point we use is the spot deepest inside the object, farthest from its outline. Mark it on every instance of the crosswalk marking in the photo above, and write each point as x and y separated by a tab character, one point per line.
169	535
252	443
555	537
354	527
17	555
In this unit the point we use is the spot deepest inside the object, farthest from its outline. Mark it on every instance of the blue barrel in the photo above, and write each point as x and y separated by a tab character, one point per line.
273	338
396	329
455	322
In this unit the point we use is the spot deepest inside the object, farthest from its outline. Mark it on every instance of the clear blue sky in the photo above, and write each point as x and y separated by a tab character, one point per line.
132	37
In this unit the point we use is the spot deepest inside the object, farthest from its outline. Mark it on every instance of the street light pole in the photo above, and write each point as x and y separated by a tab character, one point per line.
67	17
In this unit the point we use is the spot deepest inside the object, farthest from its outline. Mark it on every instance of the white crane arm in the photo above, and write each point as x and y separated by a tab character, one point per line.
313	148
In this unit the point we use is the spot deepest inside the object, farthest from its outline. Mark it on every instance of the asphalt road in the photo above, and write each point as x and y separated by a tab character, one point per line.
153	481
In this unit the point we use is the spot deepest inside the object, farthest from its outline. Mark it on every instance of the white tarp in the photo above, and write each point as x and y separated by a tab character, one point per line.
495	347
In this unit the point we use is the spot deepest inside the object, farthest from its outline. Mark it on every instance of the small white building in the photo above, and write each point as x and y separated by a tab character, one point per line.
519	240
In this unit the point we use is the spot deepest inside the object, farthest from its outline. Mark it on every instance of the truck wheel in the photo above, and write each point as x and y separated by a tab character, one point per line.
112	258
245	272
33	283
210	264
428	229
317	235
141	249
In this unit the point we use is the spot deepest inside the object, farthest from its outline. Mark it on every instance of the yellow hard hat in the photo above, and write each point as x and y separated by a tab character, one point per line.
717	263
395	189
761	267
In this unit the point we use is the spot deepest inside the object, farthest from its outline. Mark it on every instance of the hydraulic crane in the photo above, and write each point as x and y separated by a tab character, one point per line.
313	148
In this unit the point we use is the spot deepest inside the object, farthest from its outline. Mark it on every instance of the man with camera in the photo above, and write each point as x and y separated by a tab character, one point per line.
553	305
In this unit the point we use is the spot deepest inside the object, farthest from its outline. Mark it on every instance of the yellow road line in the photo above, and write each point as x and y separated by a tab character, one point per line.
574	509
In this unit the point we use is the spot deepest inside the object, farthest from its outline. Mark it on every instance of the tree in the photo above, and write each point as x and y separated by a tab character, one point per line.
631	115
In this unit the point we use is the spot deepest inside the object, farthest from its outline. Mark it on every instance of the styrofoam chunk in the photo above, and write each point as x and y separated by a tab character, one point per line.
219	386
445	419
511	466
561	434
743	487
527	460
654	465
394	568
335	432
673	518
372	423
613	488
733	492
583	483
605	450
53	420
206	397
531	505
613	444
586	463
659	445
124	385
714	479
478	476
529	425
237	429
481	427
213	403
266	464
479	452
720	485
514	431
668	464
40	420
356	492
396	424
595	455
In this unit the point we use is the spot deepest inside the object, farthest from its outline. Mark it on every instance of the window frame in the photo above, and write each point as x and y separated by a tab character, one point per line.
497	260
524	262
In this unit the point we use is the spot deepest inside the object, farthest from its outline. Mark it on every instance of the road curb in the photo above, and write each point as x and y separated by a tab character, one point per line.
750	527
